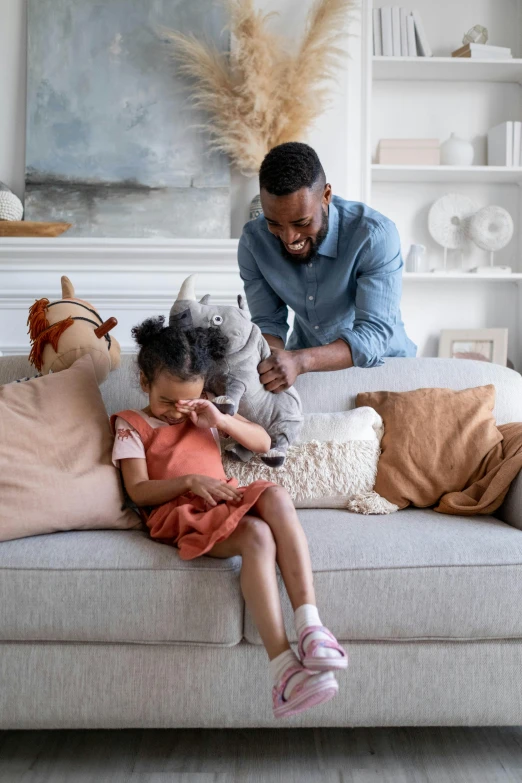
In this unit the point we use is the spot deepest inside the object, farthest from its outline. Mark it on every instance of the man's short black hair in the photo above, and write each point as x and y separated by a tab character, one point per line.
290	167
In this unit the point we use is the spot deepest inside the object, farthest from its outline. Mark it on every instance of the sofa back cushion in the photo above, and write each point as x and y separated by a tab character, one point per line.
335	391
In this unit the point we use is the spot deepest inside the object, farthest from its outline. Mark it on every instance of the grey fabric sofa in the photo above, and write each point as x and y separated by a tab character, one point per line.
108	629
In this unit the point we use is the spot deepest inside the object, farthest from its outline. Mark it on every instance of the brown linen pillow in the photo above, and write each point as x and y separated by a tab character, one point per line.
30	228
434	441
56	471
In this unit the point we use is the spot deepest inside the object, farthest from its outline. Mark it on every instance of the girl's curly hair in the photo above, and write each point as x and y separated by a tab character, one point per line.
190	353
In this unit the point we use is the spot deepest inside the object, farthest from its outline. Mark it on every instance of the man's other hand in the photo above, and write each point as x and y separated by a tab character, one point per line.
279	371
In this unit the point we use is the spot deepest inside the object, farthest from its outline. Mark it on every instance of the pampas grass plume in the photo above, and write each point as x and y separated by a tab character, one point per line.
261	95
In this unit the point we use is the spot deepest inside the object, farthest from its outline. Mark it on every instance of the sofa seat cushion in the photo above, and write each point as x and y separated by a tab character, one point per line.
115	586
412	575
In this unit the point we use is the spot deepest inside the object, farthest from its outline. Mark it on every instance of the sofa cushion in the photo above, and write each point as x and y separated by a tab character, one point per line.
412	575
336	391
115	586
324	392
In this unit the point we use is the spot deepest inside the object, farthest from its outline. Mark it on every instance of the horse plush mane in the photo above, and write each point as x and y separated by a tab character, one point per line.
68	328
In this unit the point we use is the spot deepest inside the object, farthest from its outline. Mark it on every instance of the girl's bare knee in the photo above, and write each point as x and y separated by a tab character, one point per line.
275	499
256	535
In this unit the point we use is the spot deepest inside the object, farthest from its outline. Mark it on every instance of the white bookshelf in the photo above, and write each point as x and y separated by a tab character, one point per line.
460	174
444	69
421	97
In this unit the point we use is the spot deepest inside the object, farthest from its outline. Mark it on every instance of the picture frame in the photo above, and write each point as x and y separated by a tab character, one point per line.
487	345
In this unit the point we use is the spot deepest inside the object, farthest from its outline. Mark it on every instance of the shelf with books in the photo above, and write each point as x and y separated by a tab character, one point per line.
446	69
460	174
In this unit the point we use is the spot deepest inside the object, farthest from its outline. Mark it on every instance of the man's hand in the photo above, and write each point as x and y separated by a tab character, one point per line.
279	371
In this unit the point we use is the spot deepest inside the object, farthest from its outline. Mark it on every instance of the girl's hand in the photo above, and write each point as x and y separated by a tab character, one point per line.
213	490
202	413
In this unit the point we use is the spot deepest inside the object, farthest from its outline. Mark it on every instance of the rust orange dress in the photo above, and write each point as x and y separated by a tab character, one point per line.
189	522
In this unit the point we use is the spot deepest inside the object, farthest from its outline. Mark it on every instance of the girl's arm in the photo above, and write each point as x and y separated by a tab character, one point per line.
204	413
146	492
246	433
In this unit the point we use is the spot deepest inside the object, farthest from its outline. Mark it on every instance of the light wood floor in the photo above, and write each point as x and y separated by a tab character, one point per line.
425	755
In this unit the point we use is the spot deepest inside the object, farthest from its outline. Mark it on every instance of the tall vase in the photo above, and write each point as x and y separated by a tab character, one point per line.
242	191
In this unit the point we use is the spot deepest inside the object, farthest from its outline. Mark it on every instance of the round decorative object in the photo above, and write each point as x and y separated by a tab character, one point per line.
477	34
11	208
448	220
456	152
491	228
255	207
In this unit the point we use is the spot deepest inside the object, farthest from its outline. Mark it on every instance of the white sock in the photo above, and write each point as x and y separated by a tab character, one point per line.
279	665
305	617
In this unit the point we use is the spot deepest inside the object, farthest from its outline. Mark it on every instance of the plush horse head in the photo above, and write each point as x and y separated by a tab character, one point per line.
64	330
233	321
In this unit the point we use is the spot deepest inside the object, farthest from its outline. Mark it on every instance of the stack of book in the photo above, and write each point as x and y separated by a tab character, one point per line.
398	32
504	143
483	52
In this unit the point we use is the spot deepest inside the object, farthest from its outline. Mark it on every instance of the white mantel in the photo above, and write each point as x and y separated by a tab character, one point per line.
126	278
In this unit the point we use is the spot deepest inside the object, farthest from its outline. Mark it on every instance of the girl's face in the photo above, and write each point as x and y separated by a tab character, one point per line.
165	391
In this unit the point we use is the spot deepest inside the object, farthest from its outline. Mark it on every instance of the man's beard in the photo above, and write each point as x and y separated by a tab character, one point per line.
314	244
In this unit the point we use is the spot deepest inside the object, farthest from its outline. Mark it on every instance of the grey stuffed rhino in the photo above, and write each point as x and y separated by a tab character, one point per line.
240	390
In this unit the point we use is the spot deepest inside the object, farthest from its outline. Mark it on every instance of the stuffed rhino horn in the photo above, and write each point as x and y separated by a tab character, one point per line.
180	315
187	290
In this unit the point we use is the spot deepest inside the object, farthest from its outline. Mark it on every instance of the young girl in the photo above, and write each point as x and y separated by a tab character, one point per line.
171	464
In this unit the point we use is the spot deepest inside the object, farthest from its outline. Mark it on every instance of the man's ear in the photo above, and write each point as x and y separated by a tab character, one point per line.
327	195
241	302
145	385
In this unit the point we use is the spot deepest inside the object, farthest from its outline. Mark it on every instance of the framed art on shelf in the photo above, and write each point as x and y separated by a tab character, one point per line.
485	345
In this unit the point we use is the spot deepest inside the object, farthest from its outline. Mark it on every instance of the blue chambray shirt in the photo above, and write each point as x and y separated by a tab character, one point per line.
352	290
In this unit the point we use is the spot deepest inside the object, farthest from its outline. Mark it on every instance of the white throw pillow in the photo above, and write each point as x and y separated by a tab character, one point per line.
334	464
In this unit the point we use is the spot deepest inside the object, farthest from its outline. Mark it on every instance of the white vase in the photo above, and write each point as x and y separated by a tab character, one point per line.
243	190
456	152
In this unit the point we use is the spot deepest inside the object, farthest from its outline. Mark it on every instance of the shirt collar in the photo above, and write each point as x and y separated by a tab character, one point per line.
328	246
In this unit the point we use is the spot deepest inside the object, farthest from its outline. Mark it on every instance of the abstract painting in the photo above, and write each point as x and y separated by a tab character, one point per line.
112	142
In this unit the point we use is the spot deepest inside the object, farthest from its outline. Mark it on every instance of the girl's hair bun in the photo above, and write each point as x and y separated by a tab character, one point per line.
149	330
186	353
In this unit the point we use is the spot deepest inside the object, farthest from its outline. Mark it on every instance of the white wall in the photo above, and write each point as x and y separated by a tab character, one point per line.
329	137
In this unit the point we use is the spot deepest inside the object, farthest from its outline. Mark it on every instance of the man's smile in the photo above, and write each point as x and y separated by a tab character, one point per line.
296	248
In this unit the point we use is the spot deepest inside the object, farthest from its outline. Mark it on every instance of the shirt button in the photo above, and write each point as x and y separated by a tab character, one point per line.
311	298
310	264
316	327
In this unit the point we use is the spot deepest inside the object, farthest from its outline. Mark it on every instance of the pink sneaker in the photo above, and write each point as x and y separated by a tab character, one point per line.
315	689
315	662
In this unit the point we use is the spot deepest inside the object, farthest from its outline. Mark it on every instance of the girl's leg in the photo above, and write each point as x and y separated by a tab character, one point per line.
295	688
253	540
318	647
275	506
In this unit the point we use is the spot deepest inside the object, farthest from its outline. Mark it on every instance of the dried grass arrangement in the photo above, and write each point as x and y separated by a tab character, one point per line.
261	94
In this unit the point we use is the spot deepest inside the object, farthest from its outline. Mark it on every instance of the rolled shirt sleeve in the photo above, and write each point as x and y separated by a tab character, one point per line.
267	309
377	298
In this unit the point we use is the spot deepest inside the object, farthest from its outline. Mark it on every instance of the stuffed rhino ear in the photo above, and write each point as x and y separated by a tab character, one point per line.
241	302
67	288
205	299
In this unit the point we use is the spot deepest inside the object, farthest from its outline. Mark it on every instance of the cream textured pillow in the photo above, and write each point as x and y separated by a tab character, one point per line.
333	466
56	471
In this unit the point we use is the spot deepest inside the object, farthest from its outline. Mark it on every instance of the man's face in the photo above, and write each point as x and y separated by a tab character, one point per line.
299	220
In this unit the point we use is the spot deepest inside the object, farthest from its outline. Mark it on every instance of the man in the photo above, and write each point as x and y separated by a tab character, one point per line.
337	264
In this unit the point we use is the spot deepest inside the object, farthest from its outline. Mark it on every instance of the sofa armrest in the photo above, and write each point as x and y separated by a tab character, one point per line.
511	509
